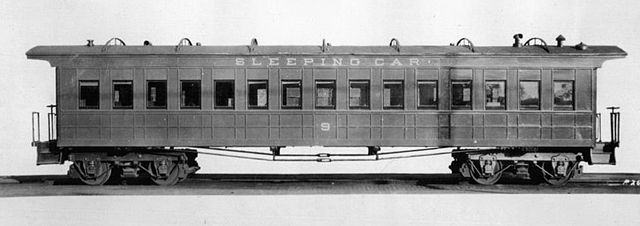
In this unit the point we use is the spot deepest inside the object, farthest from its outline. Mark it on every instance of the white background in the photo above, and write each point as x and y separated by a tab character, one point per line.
28	85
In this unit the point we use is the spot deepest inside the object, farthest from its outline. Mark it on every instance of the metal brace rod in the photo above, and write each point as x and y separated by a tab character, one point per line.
327	157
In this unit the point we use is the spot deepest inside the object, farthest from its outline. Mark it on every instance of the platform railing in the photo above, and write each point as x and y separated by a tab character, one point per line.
615	125
598	127
52	123
51	126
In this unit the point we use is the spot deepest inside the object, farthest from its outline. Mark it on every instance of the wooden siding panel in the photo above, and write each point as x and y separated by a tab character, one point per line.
324	73
105	90
493	74
427	74
207	90
410	90
359	73
241	89
513	91
426	120
67	90
393	120
461	74
275	86
563	74
173	90
156	73
546	91
376	90
88	73
290	73
583	90
190	73
139	92
121	74
223	73
444	92
392	74
257	74
525	74
478	97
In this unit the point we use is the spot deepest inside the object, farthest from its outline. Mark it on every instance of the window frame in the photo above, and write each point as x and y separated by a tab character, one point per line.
166	96
113	93
284	97
462	107
80	95
333	96
573	96
182	102
524	107
393	107
437	96
256	107
500	108
215	92
366	107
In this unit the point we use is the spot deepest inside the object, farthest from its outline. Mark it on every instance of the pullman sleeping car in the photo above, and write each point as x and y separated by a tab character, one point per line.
528	109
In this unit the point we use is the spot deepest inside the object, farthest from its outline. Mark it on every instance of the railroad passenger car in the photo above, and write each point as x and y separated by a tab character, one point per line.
528	109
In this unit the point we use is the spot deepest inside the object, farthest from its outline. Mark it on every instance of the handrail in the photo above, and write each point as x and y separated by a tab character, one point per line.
615	125
599	127
35	123
52	122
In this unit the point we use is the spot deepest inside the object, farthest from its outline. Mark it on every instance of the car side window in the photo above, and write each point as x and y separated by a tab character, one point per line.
258	95
428	94
563	95
292	94
224	94
190	94
393	95
495	95
326	94
123	94
359	94
157	94
529	95
89	94
461	93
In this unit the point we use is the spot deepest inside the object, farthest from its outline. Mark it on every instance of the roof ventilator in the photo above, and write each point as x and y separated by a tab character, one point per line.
559	40
90	43
466	42
325	46
581	46
147	43
252	46
115	43
395	44
183	42
516	40
537	42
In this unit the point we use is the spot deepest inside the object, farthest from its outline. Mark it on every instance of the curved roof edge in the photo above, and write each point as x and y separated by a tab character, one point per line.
101	50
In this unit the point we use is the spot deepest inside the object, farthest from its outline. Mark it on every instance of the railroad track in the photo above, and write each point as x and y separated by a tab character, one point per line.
286	184
587	178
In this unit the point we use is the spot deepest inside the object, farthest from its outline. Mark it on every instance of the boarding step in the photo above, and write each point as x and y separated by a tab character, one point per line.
603	153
